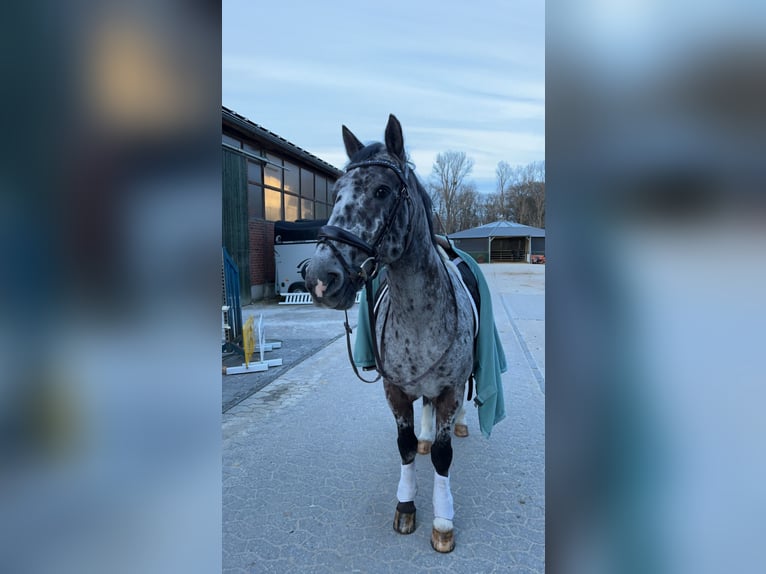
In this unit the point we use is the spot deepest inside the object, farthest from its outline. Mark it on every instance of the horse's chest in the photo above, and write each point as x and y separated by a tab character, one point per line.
425	351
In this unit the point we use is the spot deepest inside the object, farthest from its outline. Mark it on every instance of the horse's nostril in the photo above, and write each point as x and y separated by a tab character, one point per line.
330	285
333	279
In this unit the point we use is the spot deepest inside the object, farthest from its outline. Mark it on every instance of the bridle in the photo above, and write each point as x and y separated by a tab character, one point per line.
335	233
371	266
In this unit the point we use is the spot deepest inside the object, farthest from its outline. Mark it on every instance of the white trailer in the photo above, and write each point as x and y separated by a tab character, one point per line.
294	245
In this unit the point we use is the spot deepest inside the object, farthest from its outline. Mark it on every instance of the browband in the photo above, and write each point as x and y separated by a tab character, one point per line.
384	163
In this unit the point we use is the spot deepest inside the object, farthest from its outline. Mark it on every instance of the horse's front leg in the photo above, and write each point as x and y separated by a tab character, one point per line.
401	407
446	406
461	429
426	436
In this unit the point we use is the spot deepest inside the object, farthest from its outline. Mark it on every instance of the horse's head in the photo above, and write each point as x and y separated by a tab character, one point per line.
371	221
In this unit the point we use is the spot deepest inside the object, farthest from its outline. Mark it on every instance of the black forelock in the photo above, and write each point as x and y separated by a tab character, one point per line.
368	152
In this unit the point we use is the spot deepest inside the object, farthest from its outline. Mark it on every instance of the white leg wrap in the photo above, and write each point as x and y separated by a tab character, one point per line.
407	483
443	507
427	423
460	418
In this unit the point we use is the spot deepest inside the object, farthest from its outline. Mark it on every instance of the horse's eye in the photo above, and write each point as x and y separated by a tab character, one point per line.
382	191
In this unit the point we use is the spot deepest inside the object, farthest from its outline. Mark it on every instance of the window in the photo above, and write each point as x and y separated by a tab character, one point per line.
331	193
307	184
273	203
321	211
321	188
227	139
291	207
254	200
307	209
292	177
254	172
272	176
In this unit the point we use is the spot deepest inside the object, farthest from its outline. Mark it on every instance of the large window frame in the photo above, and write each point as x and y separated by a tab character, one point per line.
280	189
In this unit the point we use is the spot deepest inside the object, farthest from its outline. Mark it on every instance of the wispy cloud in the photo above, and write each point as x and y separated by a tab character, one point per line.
470	78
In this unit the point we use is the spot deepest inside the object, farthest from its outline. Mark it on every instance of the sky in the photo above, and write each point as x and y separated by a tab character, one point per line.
463	76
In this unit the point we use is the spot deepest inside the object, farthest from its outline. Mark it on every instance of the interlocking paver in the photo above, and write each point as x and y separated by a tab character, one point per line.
310	464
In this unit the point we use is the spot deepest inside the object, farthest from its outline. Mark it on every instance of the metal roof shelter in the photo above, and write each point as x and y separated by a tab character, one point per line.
502	241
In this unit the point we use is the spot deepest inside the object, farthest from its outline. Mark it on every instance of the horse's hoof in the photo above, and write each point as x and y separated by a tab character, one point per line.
461	430
424	446
443	541
404	518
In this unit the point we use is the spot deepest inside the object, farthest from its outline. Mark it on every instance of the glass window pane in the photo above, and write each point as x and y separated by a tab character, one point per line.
307	209
273	201
272	176
307	184
321	211
254	173
252	149
292	177
331	194
227	139
254	201
320	184
291	207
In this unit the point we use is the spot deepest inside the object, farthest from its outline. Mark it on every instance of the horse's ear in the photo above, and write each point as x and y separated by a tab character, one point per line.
394	138
351	142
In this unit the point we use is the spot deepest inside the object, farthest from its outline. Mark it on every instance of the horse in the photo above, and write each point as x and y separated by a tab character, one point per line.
424	335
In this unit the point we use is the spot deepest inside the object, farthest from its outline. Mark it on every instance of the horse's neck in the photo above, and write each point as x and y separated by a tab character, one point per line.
419	285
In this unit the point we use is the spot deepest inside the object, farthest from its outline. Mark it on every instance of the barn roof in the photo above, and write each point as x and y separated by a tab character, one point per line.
499	229
277	142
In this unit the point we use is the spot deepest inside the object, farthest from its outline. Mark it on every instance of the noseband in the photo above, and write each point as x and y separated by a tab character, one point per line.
370	268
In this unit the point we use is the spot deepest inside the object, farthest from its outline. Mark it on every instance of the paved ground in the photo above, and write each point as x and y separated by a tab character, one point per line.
302	329
310	464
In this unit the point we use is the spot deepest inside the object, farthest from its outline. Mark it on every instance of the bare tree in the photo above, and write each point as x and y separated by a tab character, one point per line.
493	208
448	182
523	195
504	173
467	207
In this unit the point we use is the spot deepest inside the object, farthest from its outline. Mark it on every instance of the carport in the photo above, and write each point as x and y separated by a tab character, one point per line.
502	242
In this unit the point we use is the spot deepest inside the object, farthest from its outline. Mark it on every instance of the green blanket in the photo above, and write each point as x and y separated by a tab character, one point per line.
489	358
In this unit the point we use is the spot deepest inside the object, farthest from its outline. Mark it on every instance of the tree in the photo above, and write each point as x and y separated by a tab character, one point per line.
504	173
467	208
447	185
522	198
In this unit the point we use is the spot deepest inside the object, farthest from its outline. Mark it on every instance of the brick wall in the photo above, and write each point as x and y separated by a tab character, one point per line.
262	270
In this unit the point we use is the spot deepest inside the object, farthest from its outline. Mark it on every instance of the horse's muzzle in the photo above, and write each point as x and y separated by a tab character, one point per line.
328	282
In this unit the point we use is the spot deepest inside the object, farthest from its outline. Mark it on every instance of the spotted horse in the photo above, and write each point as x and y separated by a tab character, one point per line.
424	346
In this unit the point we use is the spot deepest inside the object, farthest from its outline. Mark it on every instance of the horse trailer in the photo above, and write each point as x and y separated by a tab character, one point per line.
294	244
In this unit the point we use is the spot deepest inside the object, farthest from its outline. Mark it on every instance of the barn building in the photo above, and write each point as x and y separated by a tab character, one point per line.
266	179
502	241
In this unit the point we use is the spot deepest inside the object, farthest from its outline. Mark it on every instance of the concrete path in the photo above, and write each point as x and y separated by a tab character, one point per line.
310	464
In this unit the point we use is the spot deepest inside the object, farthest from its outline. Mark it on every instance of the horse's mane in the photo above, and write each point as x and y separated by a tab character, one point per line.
373	149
